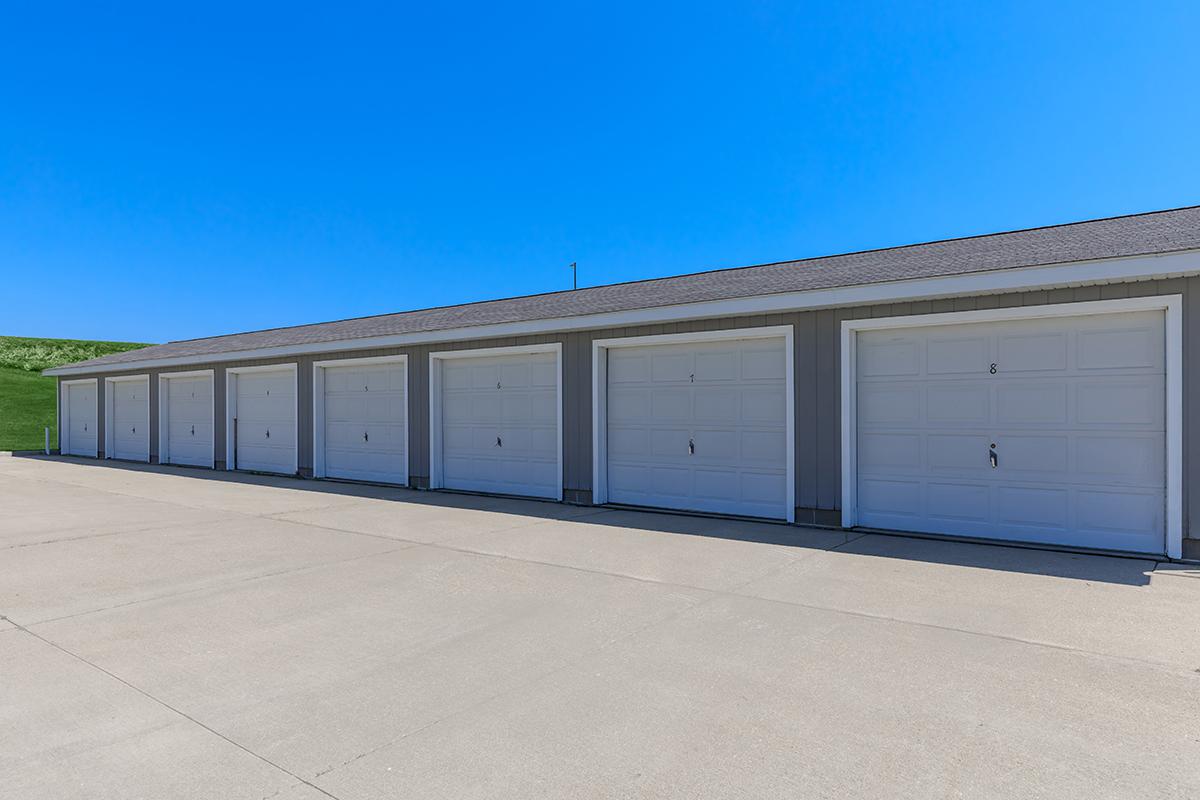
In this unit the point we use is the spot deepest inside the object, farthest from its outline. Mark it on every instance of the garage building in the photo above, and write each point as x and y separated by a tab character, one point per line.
1036	386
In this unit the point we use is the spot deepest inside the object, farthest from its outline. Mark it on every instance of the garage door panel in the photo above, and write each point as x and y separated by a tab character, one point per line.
1120	459
957	404
455	407
484	376
455	376
514	375
1136	349
727	398
889	497
952	452
486	407
762	448
1045	352
629	405
717	486
1048	453
671	405
957	355
1076	409
628	367
722	446
723	405
1032	403
624	442
767	364
545	440
882	404
717	366
355	465
888	356
668	442
1033	505
543	374
516	406
889	451
667	367
543	407
763	490
764	405
668	482
1120	403
959	501
1131	514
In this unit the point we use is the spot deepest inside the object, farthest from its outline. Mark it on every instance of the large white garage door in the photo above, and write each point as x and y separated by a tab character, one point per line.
1047	430
700	426
80	422
189	405
500	424
130	420
266	421
365	415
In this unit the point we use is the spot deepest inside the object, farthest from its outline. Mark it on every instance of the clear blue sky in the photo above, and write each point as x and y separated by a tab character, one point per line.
170	172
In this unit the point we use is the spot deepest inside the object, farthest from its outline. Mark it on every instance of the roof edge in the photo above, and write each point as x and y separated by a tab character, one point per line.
1173	264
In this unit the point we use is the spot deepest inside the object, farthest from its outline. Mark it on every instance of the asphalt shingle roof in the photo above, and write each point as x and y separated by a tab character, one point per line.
1141	234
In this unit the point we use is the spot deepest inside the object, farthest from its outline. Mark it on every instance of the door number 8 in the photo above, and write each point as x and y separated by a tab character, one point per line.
992	369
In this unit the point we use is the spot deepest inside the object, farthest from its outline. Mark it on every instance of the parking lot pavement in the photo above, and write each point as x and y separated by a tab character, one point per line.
183	633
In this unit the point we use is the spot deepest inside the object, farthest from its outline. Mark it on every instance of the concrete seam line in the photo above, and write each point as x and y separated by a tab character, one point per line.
169	707
225	585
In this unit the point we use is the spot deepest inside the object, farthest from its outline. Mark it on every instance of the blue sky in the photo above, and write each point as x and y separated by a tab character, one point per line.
172	172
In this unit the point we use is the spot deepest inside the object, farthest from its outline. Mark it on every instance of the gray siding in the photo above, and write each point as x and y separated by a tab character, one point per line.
817	373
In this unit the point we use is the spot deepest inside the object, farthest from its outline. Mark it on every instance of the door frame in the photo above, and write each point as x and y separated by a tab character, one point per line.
600	348
64	413
318	437
109	438
164	412
1172	307
231	376
435	399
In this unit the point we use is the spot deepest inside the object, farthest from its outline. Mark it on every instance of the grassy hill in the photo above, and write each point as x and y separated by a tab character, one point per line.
26	398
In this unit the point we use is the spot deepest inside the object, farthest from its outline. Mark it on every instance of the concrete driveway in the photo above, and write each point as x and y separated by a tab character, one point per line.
173	633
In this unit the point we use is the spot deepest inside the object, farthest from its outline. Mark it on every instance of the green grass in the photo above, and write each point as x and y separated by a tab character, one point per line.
26	398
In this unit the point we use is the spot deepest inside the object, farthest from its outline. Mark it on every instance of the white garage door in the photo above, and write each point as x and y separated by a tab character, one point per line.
500	424
265	419
365	413
189	405
130	420
700	426
81	419
1047	430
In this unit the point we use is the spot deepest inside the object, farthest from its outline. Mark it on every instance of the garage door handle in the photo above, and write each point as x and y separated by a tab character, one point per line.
993	458
193	430
498	442
366	438
268	433
691	447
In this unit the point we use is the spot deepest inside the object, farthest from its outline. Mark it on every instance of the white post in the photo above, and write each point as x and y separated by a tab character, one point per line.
47	440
